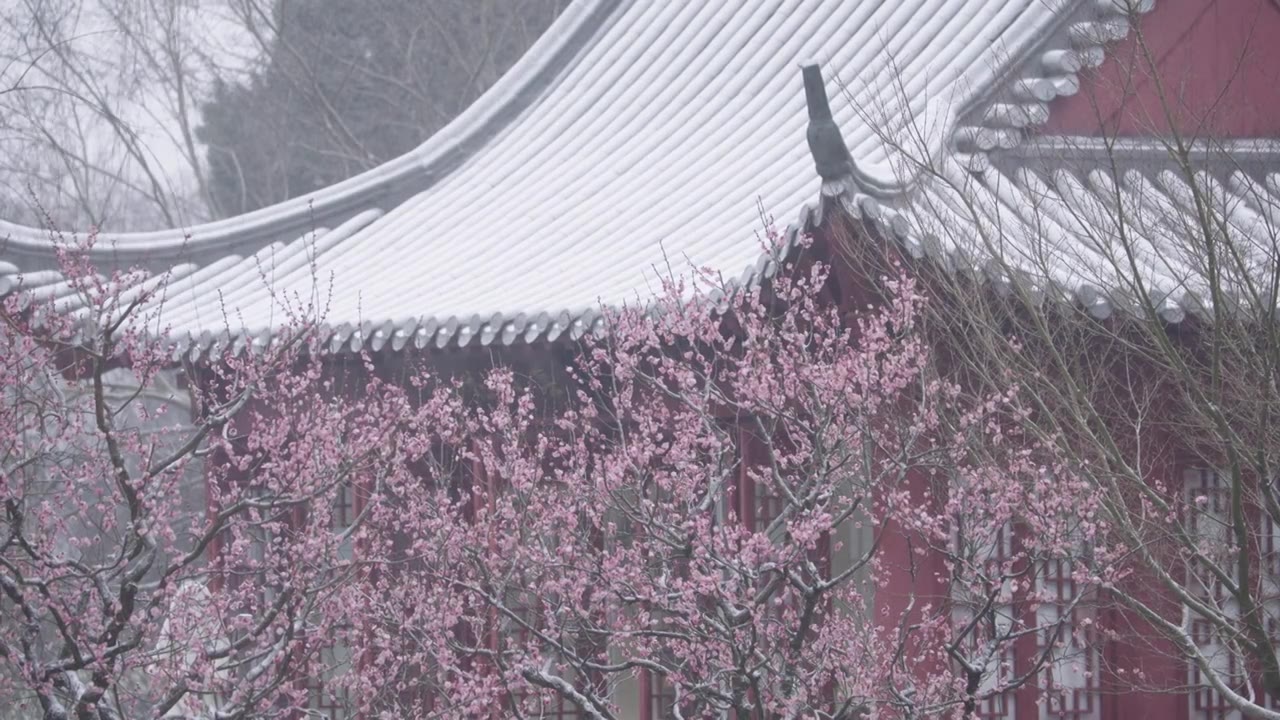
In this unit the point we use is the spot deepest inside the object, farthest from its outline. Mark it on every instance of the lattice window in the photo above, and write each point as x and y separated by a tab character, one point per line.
999	669
986	643
325	703
662	698
1273	632
1271	603
1271	552
548	705
1206	702
768	505
249	550
344	514
1208	501
323	698
344	506
1069	687
516	638
998	706
760	500
1208	507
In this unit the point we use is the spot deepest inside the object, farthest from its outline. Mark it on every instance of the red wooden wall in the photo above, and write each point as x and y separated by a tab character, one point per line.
1213	64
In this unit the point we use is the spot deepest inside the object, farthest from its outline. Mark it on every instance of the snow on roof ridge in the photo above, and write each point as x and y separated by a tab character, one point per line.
857	195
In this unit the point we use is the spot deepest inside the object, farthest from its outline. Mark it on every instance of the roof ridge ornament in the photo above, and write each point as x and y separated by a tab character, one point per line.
826	143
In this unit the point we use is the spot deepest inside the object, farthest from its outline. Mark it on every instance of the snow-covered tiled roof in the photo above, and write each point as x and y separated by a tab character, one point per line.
1115	224
633	138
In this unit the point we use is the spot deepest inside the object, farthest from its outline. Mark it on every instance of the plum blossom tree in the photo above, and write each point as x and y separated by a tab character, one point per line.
128	590
711	509
743	502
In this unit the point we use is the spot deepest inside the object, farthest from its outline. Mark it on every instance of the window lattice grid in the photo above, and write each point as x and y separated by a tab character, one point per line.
1208	500
979	555
324	698
1069	686
662	698
514	637
1206	702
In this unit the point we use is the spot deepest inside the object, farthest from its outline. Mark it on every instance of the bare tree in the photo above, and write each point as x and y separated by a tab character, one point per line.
1130	283
138	114
97	121
343	87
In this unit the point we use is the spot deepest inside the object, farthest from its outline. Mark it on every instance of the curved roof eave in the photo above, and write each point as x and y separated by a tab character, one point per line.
1019	185
989	106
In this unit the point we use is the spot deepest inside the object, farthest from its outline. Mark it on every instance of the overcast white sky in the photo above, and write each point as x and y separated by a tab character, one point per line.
207	25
